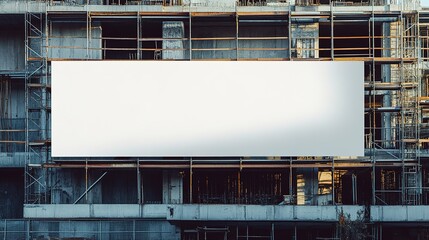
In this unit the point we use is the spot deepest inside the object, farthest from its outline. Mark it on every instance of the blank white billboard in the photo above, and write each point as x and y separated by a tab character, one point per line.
200	108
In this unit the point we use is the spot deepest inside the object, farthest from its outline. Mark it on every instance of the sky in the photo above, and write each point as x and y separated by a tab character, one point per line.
425	3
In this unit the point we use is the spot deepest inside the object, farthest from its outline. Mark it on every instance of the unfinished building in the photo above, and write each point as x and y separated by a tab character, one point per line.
275	197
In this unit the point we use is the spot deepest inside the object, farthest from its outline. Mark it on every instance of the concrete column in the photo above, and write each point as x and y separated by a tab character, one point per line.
386	131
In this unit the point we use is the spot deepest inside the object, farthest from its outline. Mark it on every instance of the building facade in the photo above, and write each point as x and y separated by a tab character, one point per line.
275	197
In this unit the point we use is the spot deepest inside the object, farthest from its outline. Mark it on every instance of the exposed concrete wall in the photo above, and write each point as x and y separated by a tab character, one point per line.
17	99
12	50
172	29
12	104
119	187
70	41
245	31
116	187
152	182
15	159
254	31
11	193
69	185
172	188
304	38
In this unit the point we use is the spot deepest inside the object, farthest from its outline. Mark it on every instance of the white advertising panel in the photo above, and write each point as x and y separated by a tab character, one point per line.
207	108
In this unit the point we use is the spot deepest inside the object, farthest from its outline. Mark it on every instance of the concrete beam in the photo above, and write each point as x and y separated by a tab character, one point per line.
16	7
191	212
259	213
147	211
200	212
399	213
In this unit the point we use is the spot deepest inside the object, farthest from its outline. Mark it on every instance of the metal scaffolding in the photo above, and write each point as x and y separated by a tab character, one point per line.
37	102
395	103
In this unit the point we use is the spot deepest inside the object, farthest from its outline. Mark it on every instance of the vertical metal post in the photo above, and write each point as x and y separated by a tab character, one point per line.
239	185
369	38
236	34
419	115
138	34
134	229
354	189
44	113
86	180
336	231
373	37
289	37
190	180
87	35
100	230
373	120
43	122
295	233
333	182
272	231
27	154
139	190
375	231
5	230
403	123
291	180
373	175
332	29
27	230
190	30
